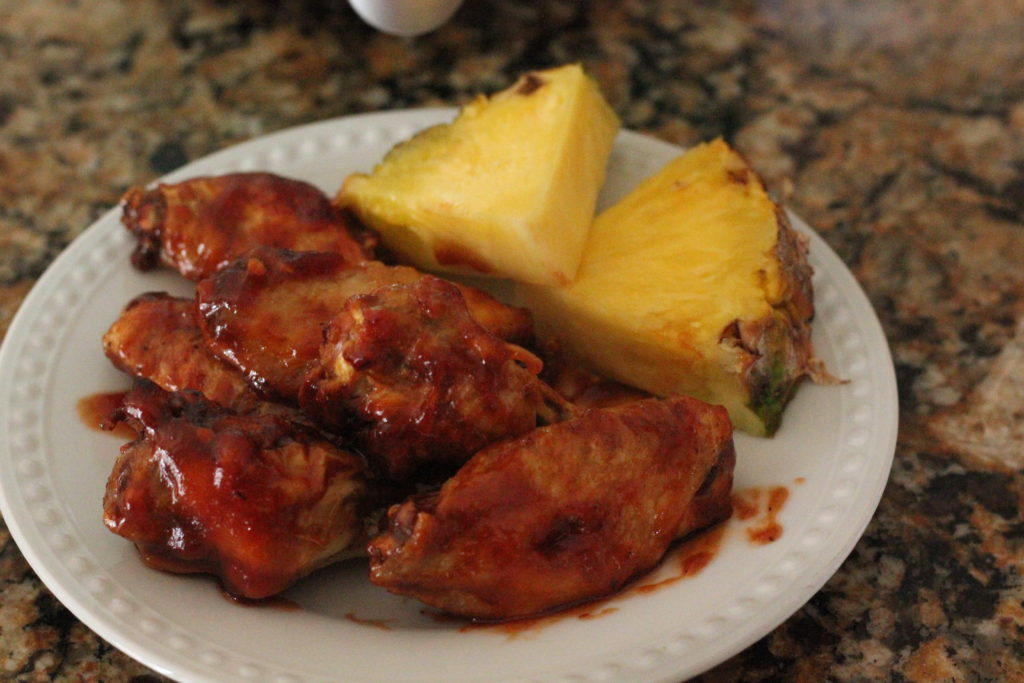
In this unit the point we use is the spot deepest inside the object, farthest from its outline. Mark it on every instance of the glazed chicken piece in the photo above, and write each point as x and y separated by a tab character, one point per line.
157	338
199	225
409	374
567	513
265	313
256	501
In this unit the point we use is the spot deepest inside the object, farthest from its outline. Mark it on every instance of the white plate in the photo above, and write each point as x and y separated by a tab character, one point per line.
838	441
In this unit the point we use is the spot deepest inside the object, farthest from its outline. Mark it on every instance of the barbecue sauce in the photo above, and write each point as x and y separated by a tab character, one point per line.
94	411
765	504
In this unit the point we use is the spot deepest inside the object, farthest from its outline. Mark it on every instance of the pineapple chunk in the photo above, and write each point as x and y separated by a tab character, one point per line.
508	189
694	283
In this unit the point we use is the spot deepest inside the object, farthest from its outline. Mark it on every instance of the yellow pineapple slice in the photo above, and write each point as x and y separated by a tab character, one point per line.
694	283
507	189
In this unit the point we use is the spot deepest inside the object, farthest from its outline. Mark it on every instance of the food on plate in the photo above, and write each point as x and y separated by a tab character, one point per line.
563	514
257	501
308	386
199	225
265	312
412	379
157	338
695	284
507	189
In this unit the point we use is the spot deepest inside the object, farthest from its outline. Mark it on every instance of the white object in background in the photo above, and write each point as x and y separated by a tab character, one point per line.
405	17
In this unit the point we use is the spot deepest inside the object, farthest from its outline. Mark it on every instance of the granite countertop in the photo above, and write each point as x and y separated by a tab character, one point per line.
896	129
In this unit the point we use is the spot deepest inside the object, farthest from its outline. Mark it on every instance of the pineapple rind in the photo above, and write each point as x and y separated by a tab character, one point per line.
776	369
694	283
782	353
507	189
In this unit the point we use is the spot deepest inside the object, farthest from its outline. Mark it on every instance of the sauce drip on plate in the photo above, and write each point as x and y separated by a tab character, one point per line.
272	602
764	503
95	409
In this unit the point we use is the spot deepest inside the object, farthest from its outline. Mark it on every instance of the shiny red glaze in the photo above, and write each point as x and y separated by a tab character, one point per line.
256	501
415	380
266	313
200	225
157	338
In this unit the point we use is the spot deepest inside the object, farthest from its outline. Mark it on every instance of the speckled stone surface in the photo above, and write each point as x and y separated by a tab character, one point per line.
896	129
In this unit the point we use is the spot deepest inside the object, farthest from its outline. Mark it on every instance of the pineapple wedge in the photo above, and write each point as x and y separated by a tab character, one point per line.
508	189
694	283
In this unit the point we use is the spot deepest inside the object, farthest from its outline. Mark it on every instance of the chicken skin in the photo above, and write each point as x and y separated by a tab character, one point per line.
199	225
256	501
157	338
408	373
567	513
265	313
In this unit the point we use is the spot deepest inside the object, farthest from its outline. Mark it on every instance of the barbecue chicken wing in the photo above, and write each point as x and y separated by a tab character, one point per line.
564	514
415	379
157	338
199	225
258	502
265	313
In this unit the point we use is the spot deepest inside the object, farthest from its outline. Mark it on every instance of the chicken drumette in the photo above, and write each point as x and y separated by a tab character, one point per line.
566	513
157	338
257	501
266	312
409	373
199	225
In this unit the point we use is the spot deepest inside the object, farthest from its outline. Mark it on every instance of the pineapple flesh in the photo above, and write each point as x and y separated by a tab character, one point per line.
508	189
696	284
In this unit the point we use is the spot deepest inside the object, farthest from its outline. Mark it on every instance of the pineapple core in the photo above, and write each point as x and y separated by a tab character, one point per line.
508	189
694	283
